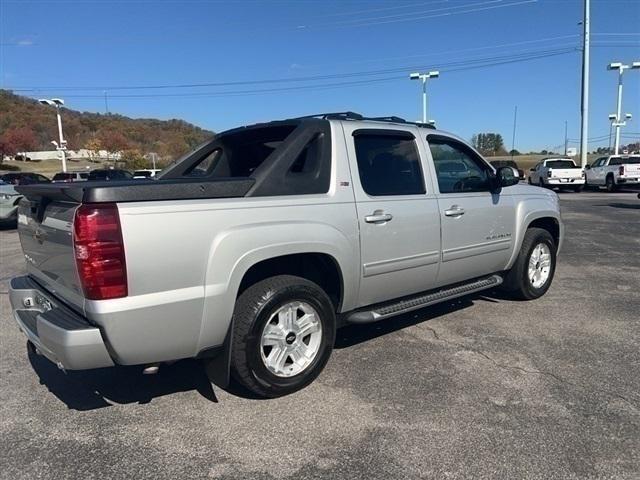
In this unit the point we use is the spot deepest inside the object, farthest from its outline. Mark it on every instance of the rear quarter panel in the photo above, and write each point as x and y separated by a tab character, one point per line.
185	262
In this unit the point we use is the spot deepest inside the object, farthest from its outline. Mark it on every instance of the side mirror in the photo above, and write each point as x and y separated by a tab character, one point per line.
507	177
587	167
532	169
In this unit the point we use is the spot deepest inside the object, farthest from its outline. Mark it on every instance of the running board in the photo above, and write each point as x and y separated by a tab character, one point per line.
389	309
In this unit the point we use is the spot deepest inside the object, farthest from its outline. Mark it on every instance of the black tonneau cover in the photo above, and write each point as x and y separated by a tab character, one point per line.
138	190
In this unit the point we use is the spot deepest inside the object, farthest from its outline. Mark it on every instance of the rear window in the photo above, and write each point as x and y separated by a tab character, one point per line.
142	173
63	176
503	163
388	164
624	160
561	164
110	175
238	154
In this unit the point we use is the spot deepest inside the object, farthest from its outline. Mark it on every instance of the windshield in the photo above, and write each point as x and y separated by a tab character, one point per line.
561	164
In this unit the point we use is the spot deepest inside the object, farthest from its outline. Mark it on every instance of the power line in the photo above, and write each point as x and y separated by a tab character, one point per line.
473	62
416	16
463	65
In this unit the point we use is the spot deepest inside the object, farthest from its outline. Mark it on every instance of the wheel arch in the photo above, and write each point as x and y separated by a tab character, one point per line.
545	215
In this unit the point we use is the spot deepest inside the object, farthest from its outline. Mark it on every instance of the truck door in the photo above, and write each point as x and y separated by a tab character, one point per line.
596	172
397	212
477	226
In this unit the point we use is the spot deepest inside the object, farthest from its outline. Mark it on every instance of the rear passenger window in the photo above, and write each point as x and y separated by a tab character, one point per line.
388	163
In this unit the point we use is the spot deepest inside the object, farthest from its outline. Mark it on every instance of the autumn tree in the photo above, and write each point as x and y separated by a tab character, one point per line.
17	140
134	159
113	141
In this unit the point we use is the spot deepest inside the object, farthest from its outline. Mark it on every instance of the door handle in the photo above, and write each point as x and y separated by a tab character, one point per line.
378	217
454	211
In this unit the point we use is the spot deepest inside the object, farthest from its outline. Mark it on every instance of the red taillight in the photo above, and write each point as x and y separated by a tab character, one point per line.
99	251
621	170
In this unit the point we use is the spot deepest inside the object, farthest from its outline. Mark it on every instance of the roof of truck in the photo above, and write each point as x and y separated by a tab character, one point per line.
346	116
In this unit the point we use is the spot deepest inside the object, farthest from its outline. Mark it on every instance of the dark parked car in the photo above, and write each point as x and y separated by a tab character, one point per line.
70	177
508	163
24	178
110	174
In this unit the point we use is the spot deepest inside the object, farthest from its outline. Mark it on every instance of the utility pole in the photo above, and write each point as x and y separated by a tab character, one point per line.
566	139
513	137
106	103
61	145
619	121
424	77
584	110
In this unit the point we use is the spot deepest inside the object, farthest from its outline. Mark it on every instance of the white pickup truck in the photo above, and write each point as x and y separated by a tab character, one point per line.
613	171
557	173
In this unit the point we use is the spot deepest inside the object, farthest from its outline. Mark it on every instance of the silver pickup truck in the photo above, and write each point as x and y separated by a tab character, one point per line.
249	252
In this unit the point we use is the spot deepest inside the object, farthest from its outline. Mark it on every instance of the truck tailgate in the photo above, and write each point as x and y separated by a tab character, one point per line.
566	172
46	234
632	169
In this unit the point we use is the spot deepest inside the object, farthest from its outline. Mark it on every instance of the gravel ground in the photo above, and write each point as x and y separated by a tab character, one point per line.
482	387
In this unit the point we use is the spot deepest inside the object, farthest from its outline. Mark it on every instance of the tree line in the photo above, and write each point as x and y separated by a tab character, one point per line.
25	125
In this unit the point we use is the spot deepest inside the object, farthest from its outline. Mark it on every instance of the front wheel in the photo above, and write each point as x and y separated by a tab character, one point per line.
283	335
532	273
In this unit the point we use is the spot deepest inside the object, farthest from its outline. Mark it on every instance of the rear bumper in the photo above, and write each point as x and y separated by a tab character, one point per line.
60	334
629	180
565	181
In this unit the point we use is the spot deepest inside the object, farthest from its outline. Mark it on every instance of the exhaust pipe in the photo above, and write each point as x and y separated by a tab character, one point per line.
151	369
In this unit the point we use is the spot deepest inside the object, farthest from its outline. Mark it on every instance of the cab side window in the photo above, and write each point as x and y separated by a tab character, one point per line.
388	163
458	168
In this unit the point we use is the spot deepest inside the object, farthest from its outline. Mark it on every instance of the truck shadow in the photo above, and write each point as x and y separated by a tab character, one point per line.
100	388
351	335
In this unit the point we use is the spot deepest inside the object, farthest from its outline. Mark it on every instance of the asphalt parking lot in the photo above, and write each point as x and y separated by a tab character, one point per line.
482	387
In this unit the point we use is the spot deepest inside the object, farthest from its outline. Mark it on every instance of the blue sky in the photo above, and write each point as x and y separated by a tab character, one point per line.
77	49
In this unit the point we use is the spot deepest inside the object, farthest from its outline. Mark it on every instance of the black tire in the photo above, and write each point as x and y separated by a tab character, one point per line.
529	180
253	310
541	183
610	184
516	281
578	188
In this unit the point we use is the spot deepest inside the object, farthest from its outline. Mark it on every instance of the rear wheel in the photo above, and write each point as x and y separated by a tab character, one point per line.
578	188
283	335
541	183
610	184
532	273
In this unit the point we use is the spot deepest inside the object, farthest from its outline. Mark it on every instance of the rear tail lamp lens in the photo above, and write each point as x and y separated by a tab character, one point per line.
99	251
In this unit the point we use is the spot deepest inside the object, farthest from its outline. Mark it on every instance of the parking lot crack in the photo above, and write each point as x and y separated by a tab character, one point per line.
527	371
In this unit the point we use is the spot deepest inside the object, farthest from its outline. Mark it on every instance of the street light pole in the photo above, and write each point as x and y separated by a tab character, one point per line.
424	77
619	121
584	108
62	144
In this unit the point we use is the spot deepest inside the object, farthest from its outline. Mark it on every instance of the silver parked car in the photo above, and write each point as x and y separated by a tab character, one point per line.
250	251
9	200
